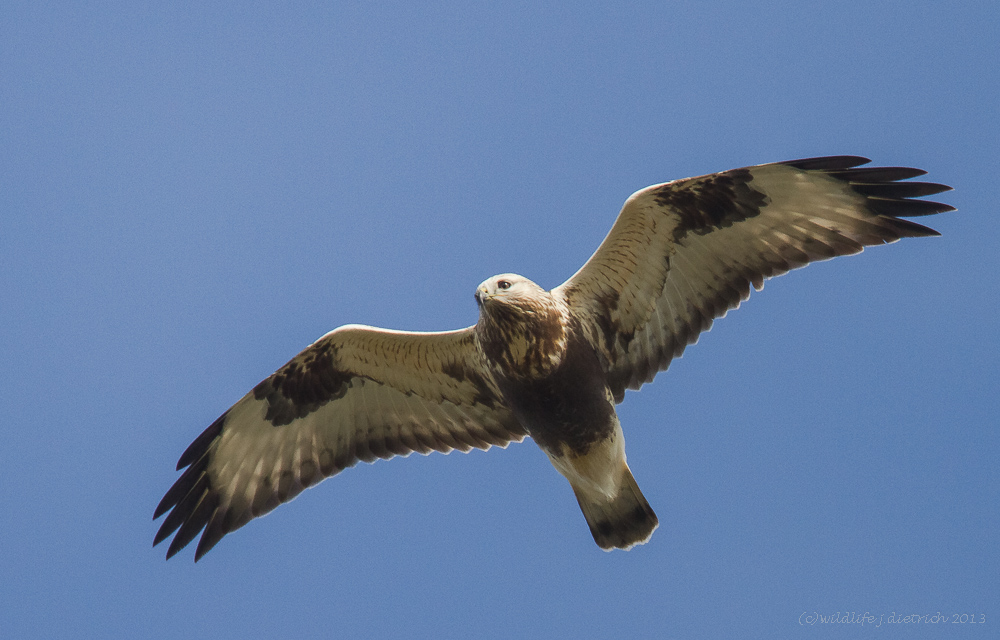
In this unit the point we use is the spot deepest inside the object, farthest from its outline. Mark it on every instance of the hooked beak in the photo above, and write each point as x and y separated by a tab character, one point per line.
481	296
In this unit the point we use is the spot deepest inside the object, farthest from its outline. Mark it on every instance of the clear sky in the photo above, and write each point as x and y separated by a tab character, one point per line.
190	193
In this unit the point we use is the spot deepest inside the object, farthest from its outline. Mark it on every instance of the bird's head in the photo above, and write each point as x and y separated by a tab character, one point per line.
508	289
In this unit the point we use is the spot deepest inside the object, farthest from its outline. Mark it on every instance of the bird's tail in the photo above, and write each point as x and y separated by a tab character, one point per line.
620	522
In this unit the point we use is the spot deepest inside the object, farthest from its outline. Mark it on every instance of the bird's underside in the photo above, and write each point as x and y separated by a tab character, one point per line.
550	364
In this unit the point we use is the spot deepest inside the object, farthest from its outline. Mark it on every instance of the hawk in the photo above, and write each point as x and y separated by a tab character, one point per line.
547	364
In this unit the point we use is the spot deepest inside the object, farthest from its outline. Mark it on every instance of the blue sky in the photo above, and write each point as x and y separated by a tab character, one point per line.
190	193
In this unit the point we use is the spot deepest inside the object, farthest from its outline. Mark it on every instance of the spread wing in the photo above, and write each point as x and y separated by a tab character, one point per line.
685	252
358	393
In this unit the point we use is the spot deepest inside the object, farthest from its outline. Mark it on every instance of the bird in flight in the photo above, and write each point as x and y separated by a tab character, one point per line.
547	364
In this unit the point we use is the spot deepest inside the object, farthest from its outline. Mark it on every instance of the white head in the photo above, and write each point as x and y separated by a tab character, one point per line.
508	288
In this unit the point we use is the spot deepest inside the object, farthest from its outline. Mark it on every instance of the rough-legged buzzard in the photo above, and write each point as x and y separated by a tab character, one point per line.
549	364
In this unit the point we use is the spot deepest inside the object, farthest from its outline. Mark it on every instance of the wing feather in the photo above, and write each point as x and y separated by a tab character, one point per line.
685	252
358	393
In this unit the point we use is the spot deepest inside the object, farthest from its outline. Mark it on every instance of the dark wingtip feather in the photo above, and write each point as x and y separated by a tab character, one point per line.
191	501
827	163
899	189
199	447
215	530
909	229
162	507
197	519
177	492
172	522
185	506
895	207
885	194
877	174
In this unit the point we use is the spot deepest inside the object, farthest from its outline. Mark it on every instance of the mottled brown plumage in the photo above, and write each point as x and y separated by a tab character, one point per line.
550	364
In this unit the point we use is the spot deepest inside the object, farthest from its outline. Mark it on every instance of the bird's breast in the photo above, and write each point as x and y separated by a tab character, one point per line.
568	407
516	344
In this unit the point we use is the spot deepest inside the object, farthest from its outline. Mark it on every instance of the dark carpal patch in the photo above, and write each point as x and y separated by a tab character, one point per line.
613	335
608	328
463	373
712	202
309	381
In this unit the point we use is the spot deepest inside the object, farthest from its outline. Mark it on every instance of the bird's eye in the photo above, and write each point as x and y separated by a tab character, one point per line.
503	284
